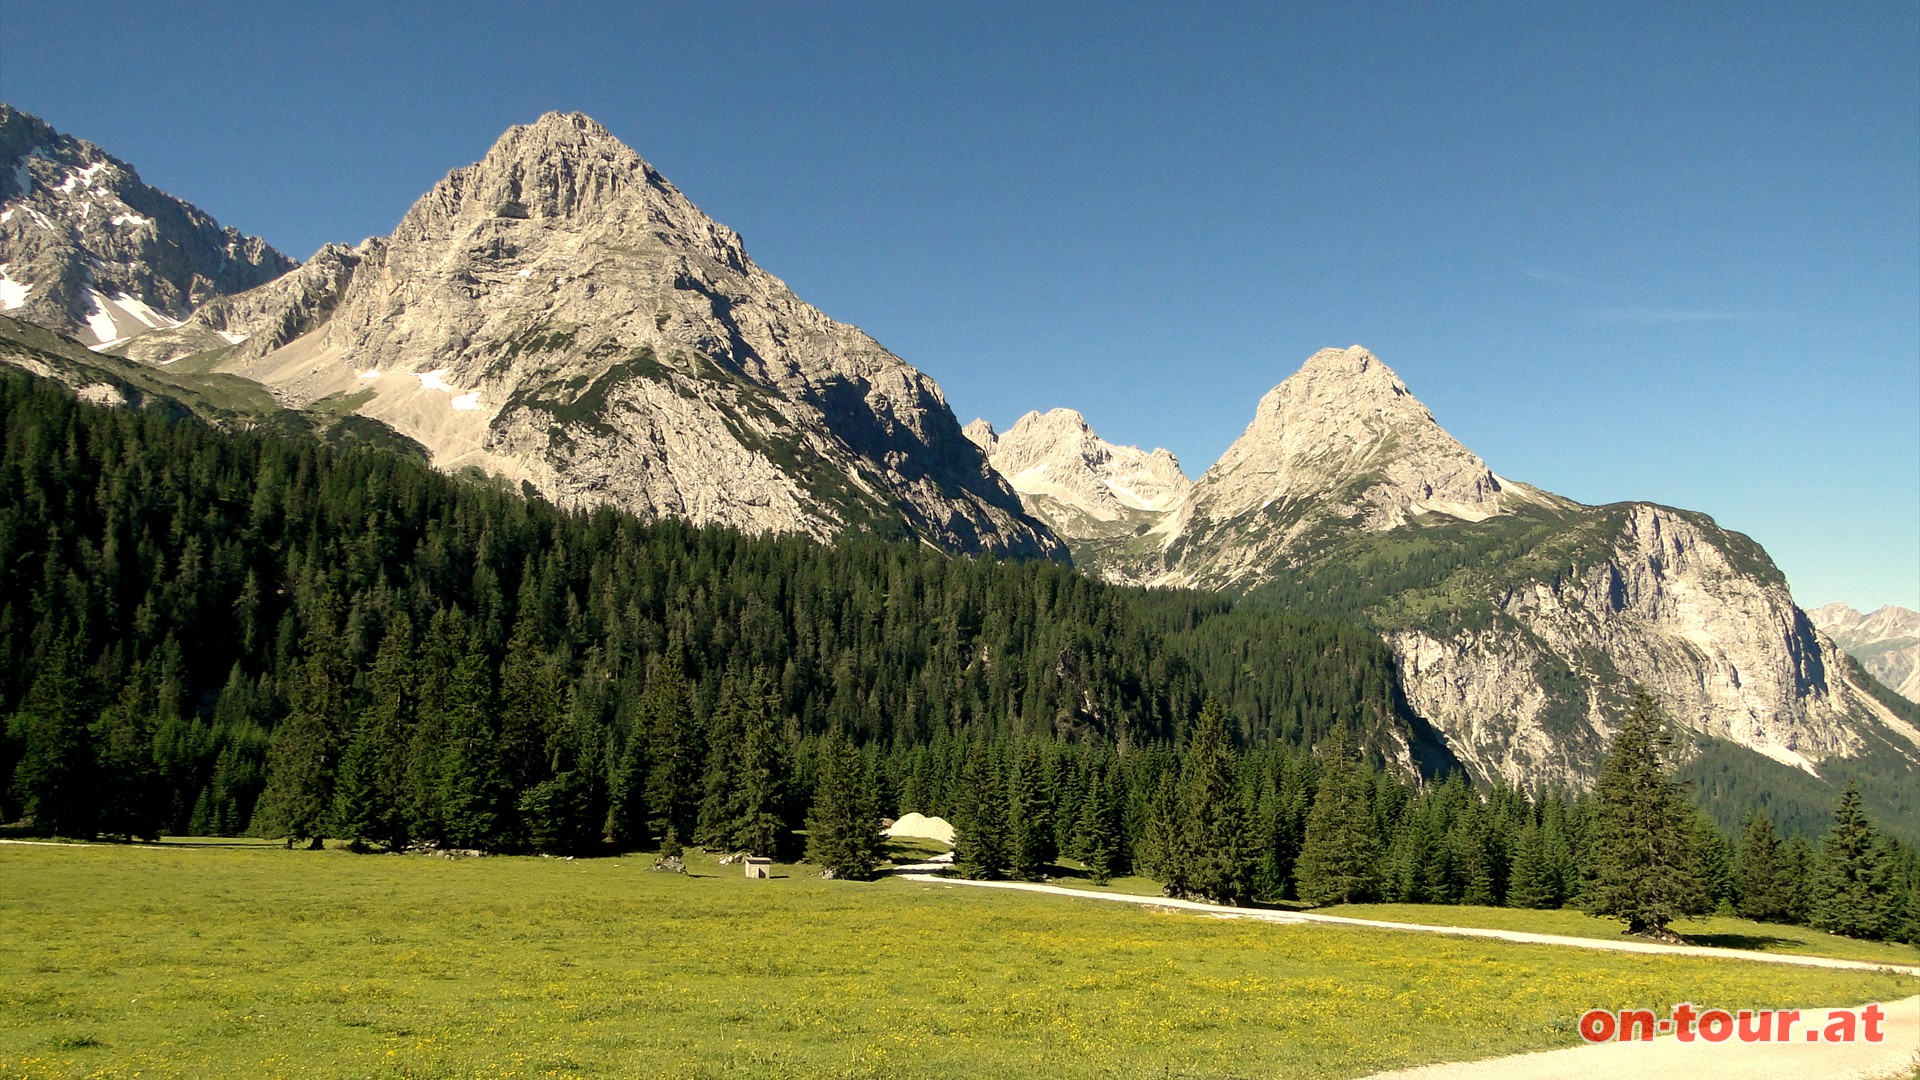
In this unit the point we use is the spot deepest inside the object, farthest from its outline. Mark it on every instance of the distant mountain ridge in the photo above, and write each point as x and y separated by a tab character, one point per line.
1886	642
90	251
560	315
1519	619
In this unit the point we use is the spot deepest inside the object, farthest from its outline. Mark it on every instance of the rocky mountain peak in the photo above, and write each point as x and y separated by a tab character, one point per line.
89	250
1346	426
1057	455
1886	641
559	314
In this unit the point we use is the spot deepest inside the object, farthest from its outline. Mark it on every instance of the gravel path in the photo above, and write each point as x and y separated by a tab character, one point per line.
1222	911
1663	1059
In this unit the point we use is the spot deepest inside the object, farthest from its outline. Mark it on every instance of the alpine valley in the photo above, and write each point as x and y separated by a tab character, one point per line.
560	316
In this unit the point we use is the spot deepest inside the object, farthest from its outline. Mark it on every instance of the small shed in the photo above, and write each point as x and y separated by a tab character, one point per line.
758	867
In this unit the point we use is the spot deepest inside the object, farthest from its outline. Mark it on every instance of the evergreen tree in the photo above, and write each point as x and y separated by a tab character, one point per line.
1532	884
843	828
130	800
1763	886
672	754
1029	825
305	753
980	848
56	775
368	795
1852	884
1215	853
1099	838
1337	858
1644	865
760	778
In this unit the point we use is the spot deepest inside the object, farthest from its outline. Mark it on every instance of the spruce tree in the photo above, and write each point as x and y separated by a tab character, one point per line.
672	754
1337	857
1531	884
1644	863
760	776
304	756
981	843
55	778
1215	849
1099	836
843	828
1852	885
130	802
1762	883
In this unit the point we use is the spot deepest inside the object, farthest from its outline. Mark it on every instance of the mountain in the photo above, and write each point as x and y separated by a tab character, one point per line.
1519	619
1886	642
560	315
1078	483
90	251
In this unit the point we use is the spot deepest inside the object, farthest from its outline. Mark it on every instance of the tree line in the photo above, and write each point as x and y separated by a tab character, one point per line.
204	632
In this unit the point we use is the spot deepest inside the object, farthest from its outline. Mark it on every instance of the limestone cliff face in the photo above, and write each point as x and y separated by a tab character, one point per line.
88	250
1520	619
1080	484
560	314
1695	614
1339	444
1885	641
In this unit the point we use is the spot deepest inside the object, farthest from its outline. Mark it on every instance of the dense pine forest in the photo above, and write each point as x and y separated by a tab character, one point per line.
211	632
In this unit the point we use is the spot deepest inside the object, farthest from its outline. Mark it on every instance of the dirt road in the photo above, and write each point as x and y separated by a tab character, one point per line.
1663	1059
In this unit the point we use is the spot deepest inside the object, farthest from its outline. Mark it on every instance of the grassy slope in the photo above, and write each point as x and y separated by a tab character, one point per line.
255	961
1725	932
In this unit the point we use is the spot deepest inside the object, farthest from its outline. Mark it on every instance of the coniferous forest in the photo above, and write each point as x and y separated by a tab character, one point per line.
209	632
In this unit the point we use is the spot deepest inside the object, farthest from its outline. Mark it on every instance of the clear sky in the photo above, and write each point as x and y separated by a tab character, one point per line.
1663	252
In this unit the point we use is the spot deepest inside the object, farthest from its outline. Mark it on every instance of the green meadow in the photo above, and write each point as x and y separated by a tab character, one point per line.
212	960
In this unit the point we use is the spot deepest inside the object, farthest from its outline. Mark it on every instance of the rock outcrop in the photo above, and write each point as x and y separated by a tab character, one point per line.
1886	642
1520	619
1080	484
88	250
560	314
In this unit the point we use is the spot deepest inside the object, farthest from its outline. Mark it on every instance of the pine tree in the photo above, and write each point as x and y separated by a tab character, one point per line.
1029	825
980	848
1337	857
55	777
1762	886
130	800
305	753
1101	819
368	795
1531	884
1852	886
672	757
760	777
1215	852
1644	866
843	829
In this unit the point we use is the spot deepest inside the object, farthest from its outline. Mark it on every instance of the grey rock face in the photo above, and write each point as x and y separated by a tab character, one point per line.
1886	642
1537	614
560	314
89	250
1101	495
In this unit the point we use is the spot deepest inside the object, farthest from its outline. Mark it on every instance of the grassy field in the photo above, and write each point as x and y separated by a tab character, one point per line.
249	960
1724	932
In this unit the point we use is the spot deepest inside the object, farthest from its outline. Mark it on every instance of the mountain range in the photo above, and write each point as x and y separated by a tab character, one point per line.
560	316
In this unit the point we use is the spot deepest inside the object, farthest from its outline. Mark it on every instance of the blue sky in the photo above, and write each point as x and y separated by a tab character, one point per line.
1668	252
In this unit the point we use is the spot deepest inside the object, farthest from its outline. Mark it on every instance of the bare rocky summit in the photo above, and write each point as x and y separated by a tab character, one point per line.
89	250
1885	641
1520	619
1077	482
559	314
